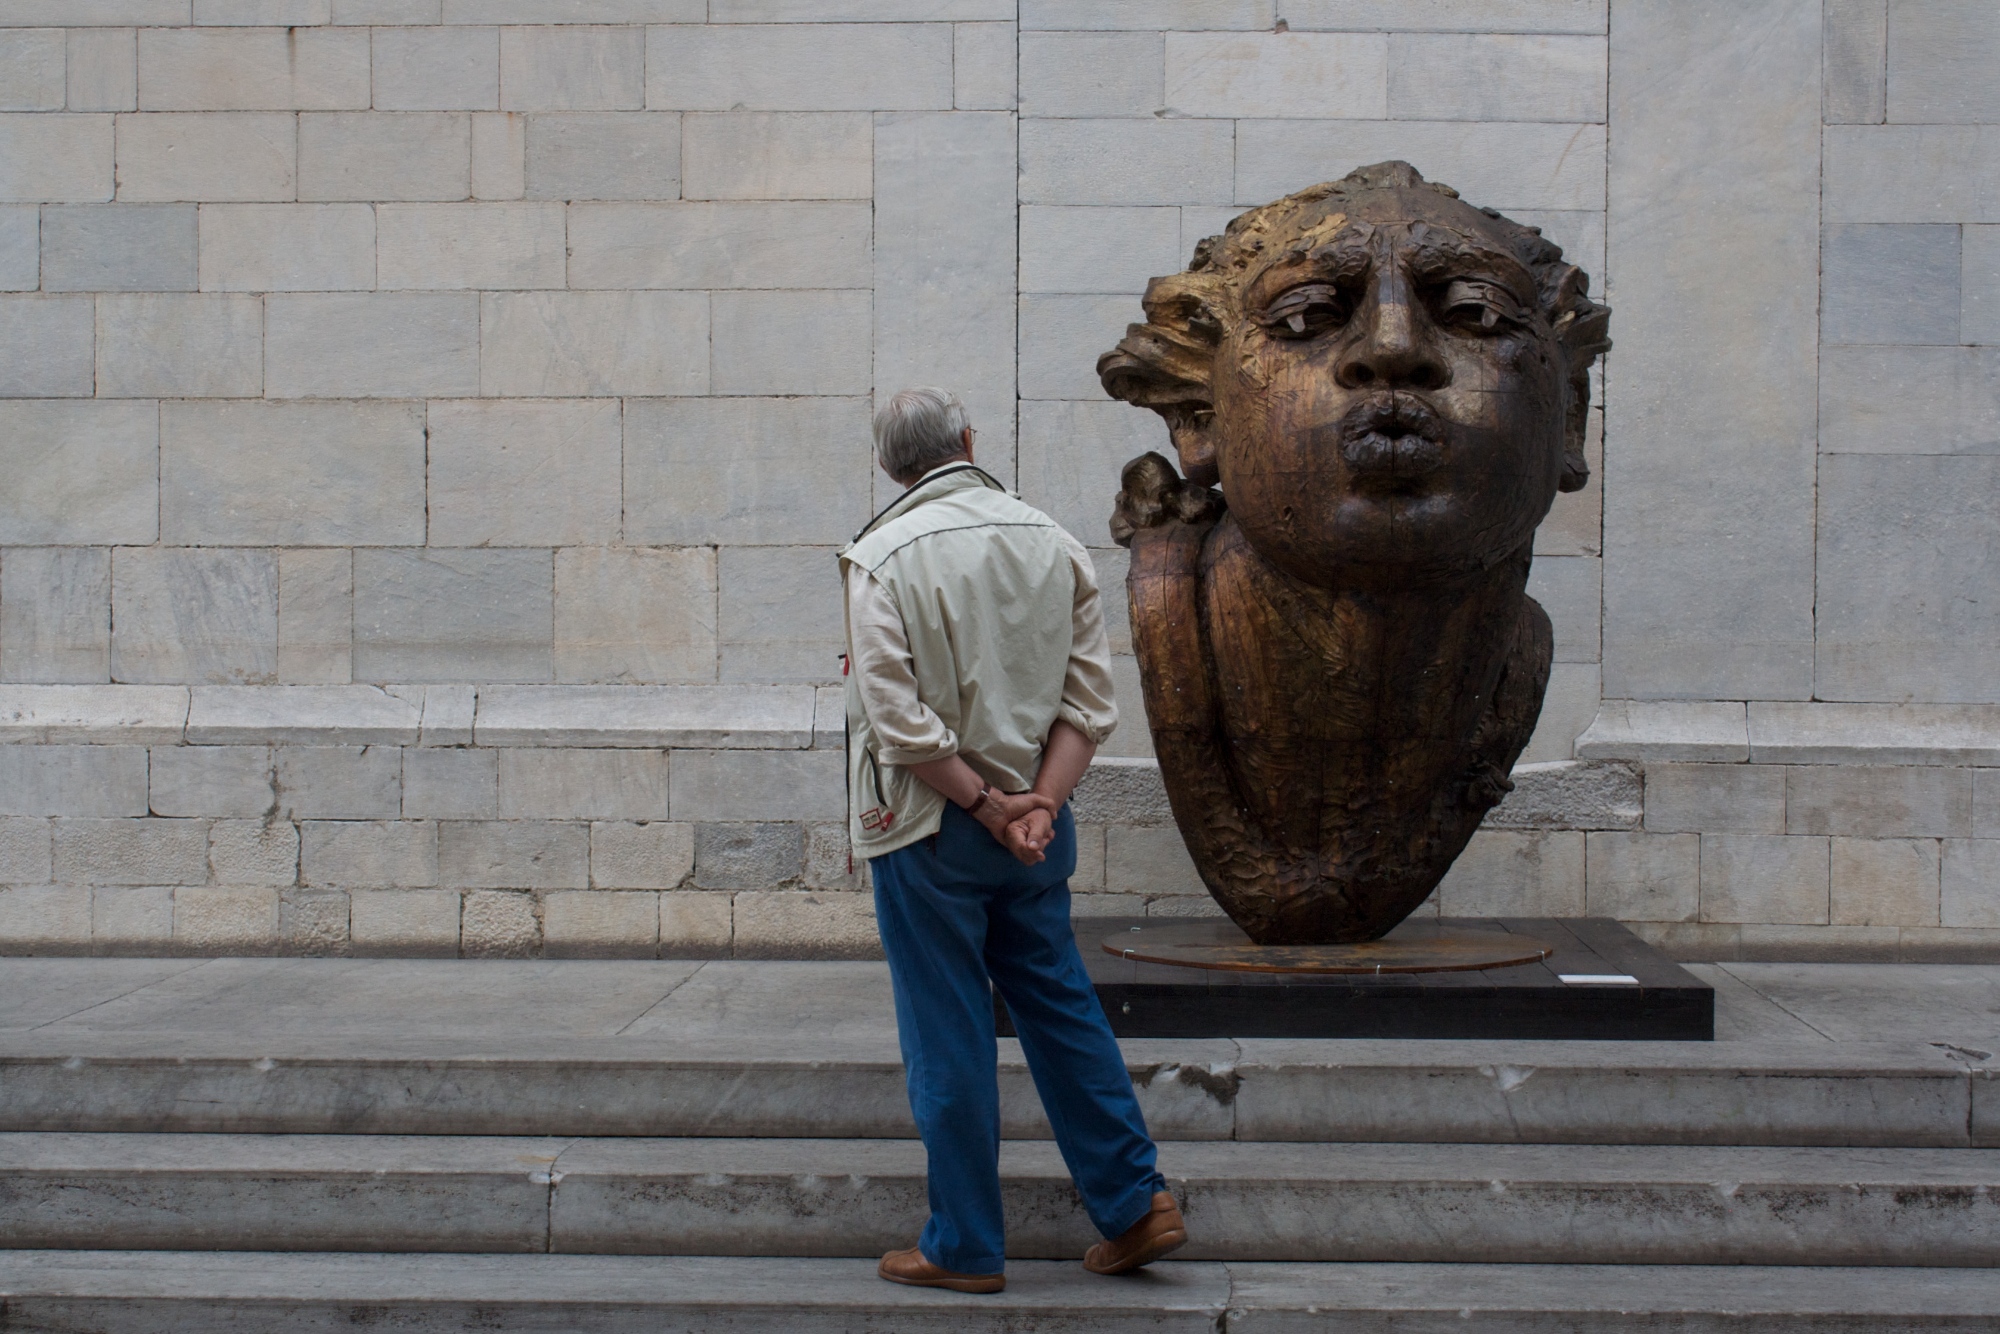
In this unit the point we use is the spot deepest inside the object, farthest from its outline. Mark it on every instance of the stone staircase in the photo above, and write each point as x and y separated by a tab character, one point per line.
308	1145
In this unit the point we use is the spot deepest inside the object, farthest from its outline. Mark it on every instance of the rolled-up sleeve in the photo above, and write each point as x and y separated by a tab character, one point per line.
1087	701
885	675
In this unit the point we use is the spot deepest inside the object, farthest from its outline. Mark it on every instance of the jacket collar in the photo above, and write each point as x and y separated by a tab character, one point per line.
939	481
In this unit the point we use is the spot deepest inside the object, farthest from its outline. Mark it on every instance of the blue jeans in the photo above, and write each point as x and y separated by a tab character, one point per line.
955	911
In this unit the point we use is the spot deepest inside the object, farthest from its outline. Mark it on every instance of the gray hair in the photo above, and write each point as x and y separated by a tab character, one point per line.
918	429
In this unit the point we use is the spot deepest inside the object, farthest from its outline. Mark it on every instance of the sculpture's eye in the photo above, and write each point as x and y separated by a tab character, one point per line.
1307	311
1480	308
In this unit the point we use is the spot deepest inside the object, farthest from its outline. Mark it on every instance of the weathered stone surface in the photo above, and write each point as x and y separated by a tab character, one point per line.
103	70
697	245
333	474
695	925
315	617
385	155
731	717
1940	58
1856	38
831	863
1890	284
314	922
747	856
250	69
287	247
450	784
1508	874
488	462
1585	16
1151	860
1057	333
75	780
781	614
1880	636
211	157
1107	250
180	346
653	855
1134	162
200	615
596	923
944	264
607	155
499	155
131	852
1504	166
1512	77
47	344
20	247
31	70
983	66
514	854
371	345
300	715
93	714
1692	608
45	916
1317	75
24	851
1115	791
469	245
809	67
339	782
572	11
1970	887
1879	801
1645	730
55	158
254	852
499	925
1570	794
758	785
1715	798
442	615
635	615
225	919
1756	878
593	343
1874	734
122	915
572	68
778	155
1074	74
436	69
118	248
829	717
1637	877
810	924
353	854
211	780
540	783
790	343
796	470
55	614
1885	882
405	921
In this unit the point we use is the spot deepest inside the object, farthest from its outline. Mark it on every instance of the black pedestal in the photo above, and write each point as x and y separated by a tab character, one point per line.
1524	1001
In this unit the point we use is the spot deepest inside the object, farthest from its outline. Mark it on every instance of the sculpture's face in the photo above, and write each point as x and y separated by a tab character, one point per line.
1389	397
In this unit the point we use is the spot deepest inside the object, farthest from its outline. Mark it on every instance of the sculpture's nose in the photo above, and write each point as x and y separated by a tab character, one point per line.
1398	348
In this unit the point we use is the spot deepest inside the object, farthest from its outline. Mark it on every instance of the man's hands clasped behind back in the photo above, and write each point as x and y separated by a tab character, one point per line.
1022	822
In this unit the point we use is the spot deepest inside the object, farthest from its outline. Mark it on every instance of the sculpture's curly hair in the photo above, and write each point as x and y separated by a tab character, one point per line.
1165	364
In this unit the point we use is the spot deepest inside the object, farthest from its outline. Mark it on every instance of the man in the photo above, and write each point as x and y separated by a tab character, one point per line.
978	689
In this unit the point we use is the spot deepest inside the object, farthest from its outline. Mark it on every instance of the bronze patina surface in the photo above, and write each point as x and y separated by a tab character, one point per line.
1375	391
1413	947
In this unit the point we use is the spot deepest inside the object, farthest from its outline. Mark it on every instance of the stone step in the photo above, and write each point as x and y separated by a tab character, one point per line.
70	1292
1594	1204
1863	1094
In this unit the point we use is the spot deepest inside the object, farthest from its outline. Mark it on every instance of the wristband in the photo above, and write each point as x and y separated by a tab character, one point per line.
980	800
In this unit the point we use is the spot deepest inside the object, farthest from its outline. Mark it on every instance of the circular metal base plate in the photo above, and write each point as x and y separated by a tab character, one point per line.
1413	947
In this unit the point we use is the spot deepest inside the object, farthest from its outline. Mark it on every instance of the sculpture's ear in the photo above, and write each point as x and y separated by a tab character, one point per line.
1582	325
1166	364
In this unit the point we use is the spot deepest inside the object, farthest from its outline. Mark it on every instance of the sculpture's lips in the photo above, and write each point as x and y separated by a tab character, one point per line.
1391	442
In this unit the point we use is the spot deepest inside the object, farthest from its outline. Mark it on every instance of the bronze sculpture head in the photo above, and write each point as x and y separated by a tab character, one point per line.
1341	664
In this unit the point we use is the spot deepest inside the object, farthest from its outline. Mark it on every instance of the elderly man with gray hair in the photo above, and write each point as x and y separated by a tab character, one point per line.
978	688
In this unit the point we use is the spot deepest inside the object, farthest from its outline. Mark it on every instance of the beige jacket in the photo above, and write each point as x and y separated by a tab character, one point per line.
973	624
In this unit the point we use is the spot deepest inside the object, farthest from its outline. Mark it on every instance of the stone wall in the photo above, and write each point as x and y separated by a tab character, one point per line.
514	358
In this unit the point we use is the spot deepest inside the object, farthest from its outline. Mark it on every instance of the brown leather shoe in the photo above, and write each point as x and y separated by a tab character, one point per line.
1161	1231
910	1267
